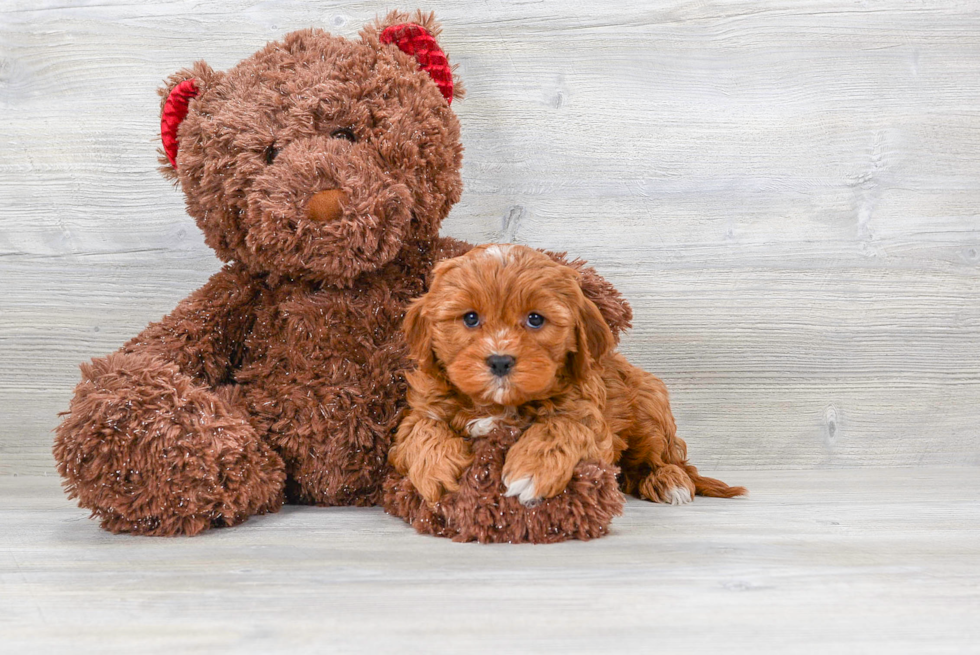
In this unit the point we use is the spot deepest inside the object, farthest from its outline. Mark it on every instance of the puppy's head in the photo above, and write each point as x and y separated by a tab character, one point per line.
506	325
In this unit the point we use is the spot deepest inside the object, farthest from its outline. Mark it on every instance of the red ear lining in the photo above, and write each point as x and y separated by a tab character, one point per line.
415	40
174	111
410	38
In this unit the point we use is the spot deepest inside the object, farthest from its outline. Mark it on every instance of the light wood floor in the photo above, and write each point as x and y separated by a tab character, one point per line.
830	561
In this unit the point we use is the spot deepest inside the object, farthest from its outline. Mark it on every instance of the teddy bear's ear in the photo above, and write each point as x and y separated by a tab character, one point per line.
416	35
176	94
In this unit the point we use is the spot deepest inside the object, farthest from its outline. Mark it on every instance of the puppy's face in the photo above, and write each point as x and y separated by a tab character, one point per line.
506	325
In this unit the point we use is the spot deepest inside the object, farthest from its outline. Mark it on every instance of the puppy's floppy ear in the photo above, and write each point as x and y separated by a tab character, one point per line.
615	309
593	338
440	270
417	326
418	334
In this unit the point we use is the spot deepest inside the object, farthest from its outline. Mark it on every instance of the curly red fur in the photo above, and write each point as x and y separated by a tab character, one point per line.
574	397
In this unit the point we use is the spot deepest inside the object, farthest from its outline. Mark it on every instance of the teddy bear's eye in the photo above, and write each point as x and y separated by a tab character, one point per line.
271	153
344	133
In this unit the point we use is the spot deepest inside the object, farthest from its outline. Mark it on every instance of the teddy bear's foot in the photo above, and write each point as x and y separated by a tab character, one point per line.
330	477
152	452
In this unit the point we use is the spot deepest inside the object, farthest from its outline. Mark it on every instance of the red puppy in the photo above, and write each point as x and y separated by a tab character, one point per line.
505	336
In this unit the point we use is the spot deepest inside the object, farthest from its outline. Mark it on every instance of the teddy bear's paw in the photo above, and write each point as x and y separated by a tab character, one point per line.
150	451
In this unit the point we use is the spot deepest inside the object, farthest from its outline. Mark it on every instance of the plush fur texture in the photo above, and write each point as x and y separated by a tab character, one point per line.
479	511
320	170
505	338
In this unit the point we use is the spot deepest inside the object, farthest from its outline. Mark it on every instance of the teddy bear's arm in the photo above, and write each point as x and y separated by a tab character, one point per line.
153	443
614	308
204	336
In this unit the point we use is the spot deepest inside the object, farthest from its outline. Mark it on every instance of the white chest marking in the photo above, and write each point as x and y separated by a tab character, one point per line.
481	427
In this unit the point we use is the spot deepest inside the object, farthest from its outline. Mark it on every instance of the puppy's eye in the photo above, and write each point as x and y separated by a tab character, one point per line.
471	319
535	320
344	133
271	153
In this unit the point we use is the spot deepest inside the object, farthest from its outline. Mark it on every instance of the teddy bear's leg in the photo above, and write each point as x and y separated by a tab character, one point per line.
335	440
152	451
348	467
329	474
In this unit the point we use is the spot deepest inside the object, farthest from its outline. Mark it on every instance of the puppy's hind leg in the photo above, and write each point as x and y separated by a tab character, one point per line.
668	484
663	474
655	463
654	459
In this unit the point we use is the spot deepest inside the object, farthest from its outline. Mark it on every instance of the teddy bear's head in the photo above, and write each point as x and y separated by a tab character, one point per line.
319	157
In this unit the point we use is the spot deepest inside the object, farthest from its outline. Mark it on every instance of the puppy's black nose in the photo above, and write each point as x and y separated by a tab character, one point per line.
500	365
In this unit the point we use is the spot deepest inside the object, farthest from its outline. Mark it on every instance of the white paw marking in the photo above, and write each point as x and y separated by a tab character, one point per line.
678	496
481	427
523	488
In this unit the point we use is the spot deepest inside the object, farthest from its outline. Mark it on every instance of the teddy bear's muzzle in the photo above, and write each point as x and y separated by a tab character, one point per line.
325	206
327	210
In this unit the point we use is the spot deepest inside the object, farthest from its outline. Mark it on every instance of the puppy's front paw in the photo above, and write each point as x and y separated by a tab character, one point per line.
531	475
523	488
438	471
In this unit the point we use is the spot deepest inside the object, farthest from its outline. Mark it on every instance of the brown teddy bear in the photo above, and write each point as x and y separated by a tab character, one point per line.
319	170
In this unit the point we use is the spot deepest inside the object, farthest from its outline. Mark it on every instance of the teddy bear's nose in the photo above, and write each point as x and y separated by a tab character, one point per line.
325	205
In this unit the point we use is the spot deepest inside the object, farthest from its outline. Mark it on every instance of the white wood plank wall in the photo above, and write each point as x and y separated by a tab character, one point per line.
788	191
